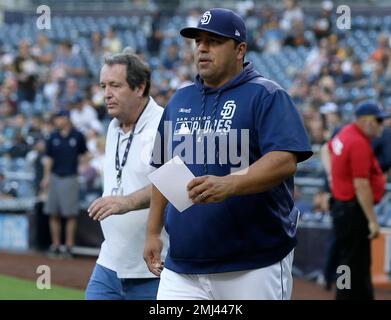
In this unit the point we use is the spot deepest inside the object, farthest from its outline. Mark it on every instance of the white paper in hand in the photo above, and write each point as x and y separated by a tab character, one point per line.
172	179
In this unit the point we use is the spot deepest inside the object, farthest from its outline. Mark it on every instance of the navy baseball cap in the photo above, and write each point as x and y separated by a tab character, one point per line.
63	113
77	98
219	21
371	108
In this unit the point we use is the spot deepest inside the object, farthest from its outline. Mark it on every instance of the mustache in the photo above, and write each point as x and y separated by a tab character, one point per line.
203	58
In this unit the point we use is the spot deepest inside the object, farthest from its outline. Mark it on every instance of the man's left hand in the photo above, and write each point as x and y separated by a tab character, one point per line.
207	189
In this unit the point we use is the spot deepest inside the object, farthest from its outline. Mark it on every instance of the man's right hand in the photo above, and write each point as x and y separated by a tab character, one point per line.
44	183
374	230
152	254
103	207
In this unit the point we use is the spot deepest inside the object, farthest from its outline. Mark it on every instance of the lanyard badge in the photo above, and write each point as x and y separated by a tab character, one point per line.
118	190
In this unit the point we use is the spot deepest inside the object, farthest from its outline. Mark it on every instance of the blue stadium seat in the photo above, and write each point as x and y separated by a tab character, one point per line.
359	22
375	22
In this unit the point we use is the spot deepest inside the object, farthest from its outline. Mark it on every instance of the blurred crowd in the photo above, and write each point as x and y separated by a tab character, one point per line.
41	76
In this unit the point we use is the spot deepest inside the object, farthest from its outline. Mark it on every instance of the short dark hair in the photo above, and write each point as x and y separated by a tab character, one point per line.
137	71
236	44
68	44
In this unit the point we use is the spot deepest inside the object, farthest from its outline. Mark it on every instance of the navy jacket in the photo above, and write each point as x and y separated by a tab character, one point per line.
382	148
216	132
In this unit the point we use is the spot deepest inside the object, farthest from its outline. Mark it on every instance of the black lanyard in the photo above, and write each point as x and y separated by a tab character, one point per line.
125	157
117	167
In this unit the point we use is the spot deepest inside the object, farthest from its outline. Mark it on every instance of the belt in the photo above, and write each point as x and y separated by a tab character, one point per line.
64	175
349	203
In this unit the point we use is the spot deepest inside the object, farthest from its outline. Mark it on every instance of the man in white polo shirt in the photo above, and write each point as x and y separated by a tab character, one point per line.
120	272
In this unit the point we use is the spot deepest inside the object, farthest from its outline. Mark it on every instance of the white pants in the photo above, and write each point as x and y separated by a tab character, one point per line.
269	283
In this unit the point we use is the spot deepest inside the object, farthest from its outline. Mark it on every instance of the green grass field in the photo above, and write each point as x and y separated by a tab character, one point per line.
19	289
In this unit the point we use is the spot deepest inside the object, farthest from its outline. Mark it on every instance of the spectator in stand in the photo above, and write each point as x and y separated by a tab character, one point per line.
382	52
90	169
43	50
378	79
270	36
323	24
331	117
27	72
327	86
70	63
97	101
316	131
34	130
357	79
155	38
71	92
317	57
13	131
97	45
111	43
83	116
7	189
292	14
172	58
292	21
8	98
296	36
19	148
337	72
53	87
193	17
299	90
244	8
99	154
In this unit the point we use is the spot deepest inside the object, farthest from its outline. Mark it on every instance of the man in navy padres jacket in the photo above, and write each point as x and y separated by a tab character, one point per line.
242	137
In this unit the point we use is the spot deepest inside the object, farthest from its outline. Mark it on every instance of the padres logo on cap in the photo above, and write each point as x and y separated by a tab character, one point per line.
206	17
